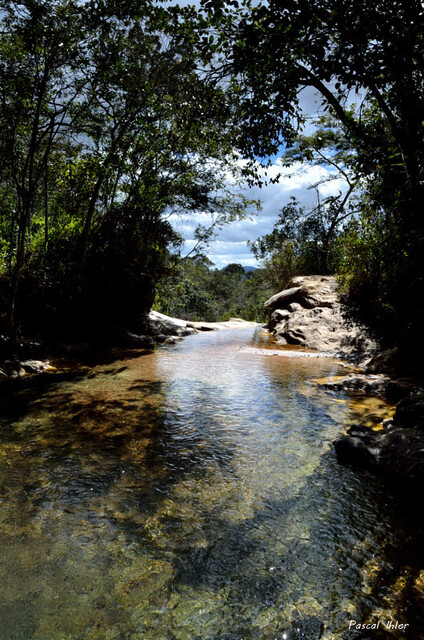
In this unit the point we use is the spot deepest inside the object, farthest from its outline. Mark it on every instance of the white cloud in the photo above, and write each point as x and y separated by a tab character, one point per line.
231	243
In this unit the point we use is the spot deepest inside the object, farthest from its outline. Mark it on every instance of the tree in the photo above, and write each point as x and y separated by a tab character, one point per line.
307	239
196	291
374	50
185	293
41	63
104	116
275	50
319	226
234	270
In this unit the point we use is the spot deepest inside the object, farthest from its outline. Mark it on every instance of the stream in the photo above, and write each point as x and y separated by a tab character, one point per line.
192	492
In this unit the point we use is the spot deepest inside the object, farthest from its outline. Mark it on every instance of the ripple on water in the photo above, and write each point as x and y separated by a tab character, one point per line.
193	492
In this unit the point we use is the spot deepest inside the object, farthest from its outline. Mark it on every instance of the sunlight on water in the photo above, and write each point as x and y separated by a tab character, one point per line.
193	493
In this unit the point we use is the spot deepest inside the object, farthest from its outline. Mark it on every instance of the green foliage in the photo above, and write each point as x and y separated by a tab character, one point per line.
115	116
301	242
196	291
271	51
106	129
129	254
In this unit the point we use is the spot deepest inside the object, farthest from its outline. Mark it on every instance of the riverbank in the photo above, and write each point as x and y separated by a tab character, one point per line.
310	319
396	452
25	357
311	313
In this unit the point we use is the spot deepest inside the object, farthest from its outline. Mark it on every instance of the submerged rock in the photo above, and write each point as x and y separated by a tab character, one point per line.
397	452
374	383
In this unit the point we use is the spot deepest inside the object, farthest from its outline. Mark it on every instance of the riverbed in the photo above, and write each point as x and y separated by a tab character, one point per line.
192	492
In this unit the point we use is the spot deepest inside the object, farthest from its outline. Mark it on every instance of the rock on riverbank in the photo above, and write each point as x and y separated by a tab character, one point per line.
163	328
397	452
310	313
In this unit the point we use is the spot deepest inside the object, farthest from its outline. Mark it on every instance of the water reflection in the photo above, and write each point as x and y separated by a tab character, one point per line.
193	492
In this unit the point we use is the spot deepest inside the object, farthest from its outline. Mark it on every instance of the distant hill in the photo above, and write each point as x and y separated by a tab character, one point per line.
236	267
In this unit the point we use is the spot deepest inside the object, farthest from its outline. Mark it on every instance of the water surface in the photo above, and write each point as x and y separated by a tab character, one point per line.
193	493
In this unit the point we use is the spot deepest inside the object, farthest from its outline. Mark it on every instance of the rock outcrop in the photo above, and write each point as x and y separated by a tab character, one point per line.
166	329
310	313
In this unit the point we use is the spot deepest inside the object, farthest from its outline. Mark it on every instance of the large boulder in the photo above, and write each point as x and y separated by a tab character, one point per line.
311	314
282	298
309	291
395	453
163	325
352	450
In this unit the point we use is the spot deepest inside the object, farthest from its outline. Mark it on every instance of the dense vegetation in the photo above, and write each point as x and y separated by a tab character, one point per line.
197	291
369	53
106	129
114	115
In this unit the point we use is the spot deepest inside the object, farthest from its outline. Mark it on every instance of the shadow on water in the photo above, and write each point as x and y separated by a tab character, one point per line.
98	355
87	444
337	556
194	495
17	394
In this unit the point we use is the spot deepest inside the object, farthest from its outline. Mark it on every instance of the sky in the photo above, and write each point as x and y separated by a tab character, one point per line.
230	245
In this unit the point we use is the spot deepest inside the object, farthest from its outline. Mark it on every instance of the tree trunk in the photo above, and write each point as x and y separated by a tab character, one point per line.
85	235
20	259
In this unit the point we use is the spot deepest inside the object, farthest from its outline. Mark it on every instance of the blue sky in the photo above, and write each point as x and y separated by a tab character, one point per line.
230	245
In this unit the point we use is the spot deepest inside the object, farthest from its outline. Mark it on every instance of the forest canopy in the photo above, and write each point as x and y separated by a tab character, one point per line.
114	115
365	61
106	128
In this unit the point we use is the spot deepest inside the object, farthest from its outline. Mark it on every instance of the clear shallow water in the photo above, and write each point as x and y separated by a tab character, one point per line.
193	493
